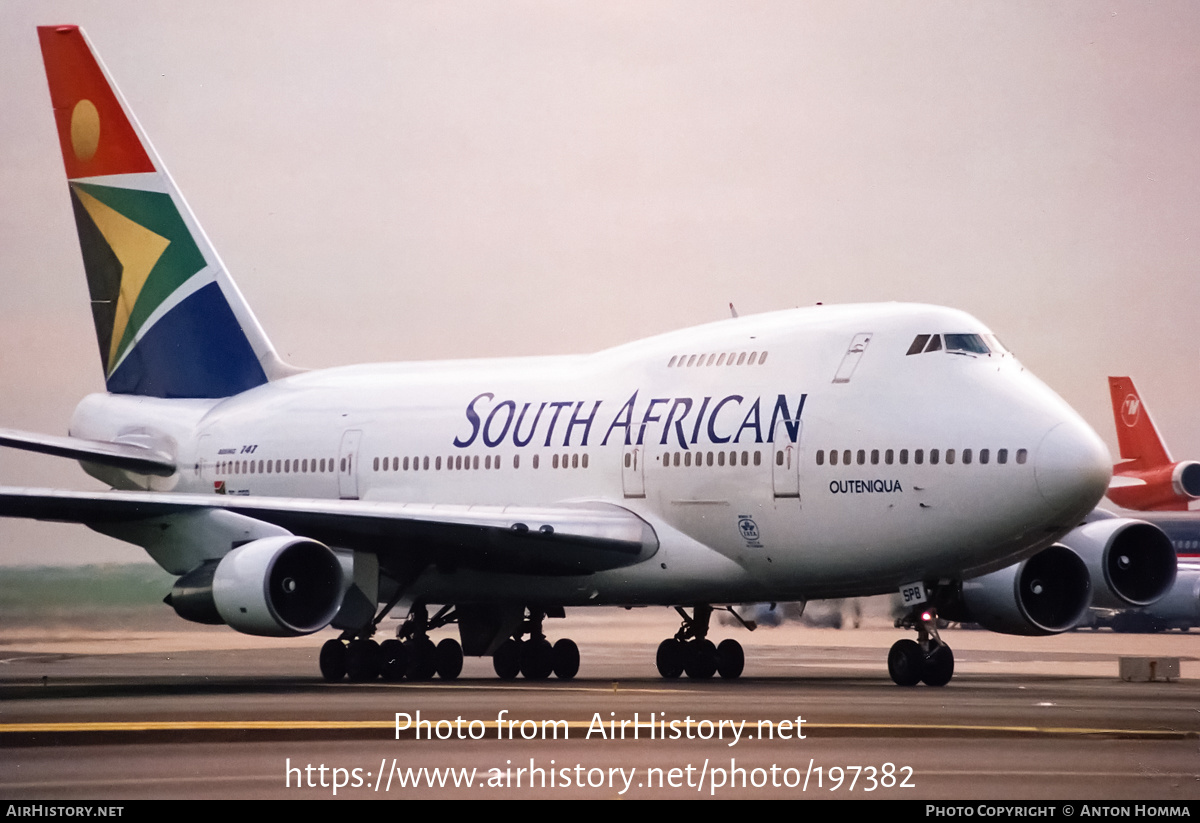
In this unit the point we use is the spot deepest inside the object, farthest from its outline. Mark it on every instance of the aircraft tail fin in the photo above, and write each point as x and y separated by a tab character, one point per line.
169	320
1137	435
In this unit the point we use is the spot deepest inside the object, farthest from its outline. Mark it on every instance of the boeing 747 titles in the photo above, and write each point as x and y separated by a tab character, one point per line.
825	452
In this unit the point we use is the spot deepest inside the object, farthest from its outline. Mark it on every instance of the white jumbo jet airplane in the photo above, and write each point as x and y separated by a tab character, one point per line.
815	453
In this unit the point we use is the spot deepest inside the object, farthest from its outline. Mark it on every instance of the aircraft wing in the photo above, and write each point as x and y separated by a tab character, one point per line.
557	539
129	456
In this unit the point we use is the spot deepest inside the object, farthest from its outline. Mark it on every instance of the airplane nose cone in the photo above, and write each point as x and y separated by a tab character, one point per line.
1072	468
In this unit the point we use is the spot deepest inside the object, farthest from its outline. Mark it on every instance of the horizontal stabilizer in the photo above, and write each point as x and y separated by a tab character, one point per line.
548	540
127	456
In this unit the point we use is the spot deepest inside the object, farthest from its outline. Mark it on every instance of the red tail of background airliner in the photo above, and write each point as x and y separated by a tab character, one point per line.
1148	479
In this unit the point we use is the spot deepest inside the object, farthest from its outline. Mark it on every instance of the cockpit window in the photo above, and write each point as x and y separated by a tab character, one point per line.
970	343
918	344
957	344
995	345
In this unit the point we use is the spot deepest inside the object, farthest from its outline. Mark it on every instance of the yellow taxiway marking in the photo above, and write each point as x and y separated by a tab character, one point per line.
812	729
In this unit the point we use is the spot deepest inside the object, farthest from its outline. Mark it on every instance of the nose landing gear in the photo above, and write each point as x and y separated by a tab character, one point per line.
927	659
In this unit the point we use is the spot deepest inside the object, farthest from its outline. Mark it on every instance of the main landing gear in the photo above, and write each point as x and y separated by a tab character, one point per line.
691	651
411	655
927	659
535	658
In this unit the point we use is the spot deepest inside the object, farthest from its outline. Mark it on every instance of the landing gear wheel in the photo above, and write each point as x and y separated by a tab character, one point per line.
422	659
670	658
730	659
938	666
333	661
393	660
566	659
906	662
507	660
448	659
537	659
362	660
701	661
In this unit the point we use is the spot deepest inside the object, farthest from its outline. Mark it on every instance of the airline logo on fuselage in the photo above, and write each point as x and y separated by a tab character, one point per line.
685	420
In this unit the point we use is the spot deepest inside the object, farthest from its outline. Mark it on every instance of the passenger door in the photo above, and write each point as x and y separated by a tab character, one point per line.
348	465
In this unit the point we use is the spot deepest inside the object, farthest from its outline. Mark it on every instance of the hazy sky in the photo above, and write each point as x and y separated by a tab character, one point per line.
393	180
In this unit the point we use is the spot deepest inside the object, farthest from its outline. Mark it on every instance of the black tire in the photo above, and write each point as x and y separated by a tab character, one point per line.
333	661
906	663
393	660
670	658
701	660
507	660
939	666
566	659
537	659
422	659
730	659
449	659
362	661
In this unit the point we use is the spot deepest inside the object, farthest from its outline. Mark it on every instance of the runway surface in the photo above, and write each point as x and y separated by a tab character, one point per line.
142	713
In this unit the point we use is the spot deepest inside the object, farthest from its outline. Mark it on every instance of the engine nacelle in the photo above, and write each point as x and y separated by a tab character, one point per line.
1131	562
1185	479
1046	594
274	587
1162	488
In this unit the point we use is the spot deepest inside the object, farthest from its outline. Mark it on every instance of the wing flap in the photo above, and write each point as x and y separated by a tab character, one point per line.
576	538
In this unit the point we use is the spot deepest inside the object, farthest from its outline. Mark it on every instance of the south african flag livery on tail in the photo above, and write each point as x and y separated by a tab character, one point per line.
169	320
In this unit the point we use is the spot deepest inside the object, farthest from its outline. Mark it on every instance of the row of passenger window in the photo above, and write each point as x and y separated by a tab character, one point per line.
710	458
468	462
860	457
282	466
719	359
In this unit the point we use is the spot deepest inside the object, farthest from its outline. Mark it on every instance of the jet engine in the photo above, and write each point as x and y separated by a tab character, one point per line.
1045	594
1131	562
1109	562
1161	488
274	587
